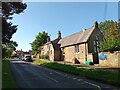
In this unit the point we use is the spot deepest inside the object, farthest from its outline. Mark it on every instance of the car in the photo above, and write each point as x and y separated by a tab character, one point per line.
21	57
27	57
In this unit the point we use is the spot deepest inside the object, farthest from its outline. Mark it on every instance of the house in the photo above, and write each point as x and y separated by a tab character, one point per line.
52	48
21	53
82	46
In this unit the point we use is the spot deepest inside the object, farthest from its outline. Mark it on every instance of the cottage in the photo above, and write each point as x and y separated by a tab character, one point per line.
52	48
19	53
82	45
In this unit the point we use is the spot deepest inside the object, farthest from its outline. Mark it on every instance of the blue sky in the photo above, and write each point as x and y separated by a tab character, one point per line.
68	17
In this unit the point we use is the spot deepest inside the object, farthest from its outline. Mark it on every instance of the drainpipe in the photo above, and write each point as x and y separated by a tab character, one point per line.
85	52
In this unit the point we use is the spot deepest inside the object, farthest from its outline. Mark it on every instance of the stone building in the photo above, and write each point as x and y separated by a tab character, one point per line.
82	45
19	52
52	48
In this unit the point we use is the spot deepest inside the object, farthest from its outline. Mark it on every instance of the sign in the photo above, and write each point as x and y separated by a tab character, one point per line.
102	57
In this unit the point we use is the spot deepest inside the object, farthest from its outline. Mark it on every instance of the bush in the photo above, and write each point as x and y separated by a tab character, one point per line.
14	55
111	44
44	56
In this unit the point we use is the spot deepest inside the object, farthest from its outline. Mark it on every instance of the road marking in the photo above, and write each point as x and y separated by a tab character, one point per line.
93	85
66	75
51	78
79	79
51	73
74	78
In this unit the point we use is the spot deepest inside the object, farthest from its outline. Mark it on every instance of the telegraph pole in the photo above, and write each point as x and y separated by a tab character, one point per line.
118	24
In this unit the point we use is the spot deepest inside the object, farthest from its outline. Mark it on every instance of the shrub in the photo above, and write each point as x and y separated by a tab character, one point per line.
44	56
111	44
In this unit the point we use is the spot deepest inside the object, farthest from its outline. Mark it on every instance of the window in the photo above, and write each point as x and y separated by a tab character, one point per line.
96	46
63	50
76	48
51	51
97	37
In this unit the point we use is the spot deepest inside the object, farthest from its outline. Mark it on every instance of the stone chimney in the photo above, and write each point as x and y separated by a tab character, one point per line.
96	24
84	30
59	35
48	38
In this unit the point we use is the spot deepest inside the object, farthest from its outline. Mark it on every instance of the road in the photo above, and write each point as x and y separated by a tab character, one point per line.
28	75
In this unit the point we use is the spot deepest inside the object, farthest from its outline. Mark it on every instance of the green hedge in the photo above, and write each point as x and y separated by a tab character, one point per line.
44	56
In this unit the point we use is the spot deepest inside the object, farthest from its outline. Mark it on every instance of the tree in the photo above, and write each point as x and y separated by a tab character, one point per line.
111	32
8	29
8	48
41	39
9	9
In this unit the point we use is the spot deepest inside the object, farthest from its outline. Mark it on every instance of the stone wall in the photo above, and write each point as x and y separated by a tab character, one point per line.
45	49
38	55
54	55
70	53
48	49
51	52
113	59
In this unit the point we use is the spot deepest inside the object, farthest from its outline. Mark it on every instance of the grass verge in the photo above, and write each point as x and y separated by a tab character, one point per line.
107	76
7	78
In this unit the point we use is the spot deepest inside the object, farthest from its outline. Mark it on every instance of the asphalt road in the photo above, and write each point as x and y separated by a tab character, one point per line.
28	75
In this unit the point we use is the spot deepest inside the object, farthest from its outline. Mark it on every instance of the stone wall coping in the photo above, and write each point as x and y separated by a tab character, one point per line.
110	52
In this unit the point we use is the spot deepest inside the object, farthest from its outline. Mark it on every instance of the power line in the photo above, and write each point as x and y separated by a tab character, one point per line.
105	10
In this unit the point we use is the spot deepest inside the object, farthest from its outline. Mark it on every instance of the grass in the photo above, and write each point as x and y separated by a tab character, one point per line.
107	76
7	78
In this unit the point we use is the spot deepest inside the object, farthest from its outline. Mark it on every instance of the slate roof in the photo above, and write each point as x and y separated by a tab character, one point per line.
79	37
55	44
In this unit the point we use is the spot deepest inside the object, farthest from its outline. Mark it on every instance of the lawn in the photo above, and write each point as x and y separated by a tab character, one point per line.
7	78
107	76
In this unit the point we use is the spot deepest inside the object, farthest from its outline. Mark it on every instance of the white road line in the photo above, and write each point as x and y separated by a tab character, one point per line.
51	78
93	85
66	75
74	78
80	79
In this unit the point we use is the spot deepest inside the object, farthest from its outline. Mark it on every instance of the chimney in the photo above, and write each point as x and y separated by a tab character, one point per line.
48	38
84	30
59	35
96	24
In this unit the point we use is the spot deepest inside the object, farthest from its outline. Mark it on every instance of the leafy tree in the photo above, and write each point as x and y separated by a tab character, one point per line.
8	48
8	29
9	9
111	32
41	39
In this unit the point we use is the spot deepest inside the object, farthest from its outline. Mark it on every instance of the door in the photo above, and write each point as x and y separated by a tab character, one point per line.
95	58
95	53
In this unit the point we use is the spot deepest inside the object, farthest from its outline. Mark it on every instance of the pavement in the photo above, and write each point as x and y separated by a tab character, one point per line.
28	75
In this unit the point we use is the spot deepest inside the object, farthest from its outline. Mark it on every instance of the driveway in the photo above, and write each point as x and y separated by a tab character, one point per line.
28	75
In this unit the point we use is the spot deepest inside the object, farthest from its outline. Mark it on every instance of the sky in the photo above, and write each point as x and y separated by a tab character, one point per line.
67	17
